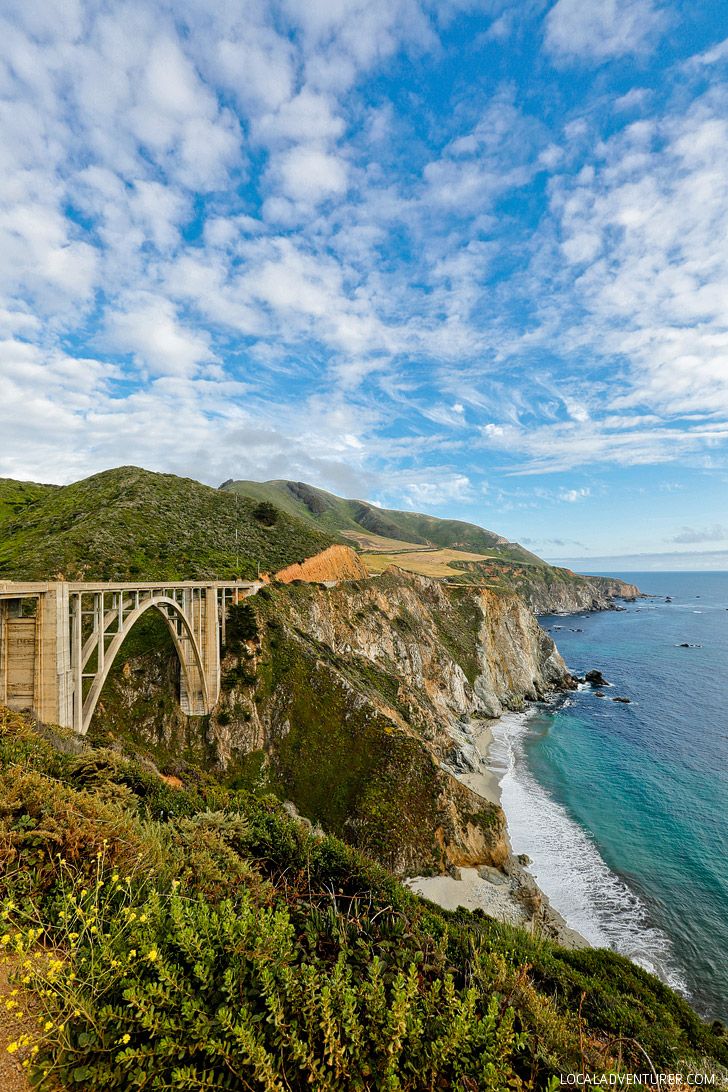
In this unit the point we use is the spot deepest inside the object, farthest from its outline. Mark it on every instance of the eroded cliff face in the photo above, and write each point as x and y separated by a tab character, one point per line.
554	593
518	661
334	563
357	702
361	698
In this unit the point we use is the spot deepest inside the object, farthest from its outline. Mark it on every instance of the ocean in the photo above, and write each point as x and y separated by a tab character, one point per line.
623	809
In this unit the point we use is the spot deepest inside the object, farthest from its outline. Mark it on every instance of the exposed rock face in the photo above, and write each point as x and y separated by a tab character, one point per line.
363	690
334	563
355	701
518	660
551	595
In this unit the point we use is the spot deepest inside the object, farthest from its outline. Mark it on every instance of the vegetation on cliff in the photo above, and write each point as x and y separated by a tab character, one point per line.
128	524
461	553
201	938
323	703
546	588
132	524
17	497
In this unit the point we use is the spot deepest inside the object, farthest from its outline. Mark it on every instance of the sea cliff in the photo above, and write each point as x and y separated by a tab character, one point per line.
358	703
551	594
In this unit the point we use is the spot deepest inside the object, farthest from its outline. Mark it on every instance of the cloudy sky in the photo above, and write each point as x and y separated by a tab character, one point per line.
466	256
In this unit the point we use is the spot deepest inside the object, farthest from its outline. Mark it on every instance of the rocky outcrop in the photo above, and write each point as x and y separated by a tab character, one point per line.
518	661
357	702
334	563
560	591
363	694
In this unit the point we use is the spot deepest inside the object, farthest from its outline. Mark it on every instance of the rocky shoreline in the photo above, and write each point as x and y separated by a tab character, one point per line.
508	893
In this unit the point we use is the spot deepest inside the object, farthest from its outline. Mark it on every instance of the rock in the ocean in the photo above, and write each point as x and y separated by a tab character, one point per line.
595	678
625	701
599	694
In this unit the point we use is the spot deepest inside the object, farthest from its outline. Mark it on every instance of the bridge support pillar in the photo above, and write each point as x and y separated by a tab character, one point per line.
35	666
54	680
211	645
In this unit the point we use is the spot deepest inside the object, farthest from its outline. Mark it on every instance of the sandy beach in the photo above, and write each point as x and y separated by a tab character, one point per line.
483	780
474	893
510	895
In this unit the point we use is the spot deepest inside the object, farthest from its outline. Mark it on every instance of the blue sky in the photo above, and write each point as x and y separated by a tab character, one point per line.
462	257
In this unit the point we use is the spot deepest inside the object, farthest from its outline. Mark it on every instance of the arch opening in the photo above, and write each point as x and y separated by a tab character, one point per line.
192	693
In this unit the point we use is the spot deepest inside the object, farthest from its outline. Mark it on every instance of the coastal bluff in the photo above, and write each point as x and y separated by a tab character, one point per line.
357	701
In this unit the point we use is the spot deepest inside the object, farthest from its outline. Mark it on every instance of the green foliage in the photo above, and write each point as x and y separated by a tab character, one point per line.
173	992
533	582
241	626
227	947
327	512
18	498
130	522
265	513
343	764
459	631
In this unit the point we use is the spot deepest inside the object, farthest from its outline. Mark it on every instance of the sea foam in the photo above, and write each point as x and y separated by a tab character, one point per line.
568	866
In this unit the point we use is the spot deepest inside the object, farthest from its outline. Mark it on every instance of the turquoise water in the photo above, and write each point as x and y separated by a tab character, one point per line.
624	808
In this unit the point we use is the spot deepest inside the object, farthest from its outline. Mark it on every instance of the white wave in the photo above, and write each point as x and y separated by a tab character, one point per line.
568	866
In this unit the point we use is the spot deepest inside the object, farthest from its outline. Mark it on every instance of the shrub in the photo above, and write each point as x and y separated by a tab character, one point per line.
229	946
266	513
170	992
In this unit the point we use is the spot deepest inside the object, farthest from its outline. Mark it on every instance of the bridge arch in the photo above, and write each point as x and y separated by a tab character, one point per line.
194	696
55	662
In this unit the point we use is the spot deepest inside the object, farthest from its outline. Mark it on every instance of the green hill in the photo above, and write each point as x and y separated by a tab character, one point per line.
129	523
17	499
337	515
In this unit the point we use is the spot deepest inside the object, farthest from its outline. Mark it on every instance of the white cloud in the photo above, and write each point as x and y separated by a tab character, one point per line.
308	116
646	230
714	55
147	326
206	192
309	175
499	154
584	30
448	488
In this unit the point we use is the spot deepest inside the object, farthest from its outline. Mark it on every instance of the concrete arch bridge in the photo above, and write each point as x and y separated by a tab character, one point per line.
58	641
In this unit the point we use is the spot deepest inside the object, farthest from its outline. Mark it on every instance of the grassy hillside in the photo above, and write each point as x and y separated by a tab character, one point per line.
197	937
354	517
132	524
17	499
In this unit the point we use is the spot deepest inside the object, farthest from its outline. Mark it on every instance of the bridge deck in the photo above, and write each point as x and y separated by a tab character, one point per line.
10	589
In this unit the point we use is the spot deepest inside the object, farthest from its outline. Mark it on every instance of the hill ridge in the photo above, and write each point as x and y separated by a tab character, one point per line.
127	522
354	515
